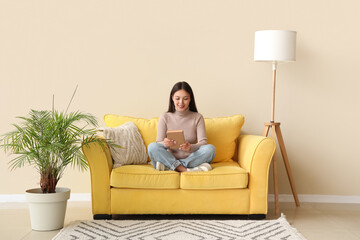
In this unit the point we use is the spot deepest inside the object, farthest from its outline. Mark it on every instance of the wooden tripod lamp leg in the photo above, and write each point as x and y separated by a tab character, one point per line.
275	177
287	164
267	128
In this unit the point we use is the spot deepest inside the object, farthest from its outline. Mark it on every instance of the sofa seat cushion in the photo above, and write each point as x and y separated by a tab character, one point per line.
143	176
224	175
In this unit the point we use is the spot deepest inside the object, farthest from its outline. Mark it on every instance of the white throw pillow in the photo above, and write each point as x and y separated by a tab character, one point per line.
129	137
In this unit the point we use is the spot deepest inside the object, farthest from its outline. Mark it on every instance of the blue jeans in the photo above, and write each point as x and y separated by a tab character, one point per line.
158	153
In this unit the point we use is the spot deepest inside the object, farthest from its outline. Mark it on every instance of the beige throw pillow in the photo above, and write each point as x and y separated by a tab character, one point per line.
127	136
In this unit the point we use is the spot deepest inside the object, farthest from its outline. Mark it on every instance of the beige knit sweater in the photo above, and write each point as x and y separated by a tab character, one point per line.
193	125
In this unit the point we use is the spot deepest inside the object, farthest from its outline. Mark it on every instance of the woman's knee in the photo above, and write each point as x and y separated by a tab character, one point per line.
208	148
154	146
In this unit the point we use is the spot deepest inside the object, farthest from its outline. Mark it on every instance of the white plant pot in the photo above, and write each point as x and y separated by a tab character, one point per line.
47	211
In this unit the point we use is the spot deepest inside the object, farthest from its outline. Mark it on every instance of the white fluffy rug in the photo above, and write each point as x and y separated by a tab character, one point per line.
179	229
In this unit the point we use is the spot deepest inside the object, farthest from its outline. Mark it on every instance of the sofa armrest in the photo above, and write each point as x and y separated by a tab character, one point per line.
100	164
254	155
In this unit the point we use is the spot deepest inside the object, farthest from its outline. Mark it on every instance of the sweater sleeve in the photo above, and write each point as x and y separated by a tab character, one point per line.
161	131
200	134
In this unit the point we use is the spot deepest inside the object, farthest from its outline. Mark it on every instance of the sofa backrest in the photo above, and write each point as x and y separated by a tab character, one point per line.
221	132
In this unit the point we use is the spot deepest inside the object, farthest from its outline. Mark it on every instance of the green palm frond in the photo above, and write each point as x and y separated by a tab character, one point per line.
19	161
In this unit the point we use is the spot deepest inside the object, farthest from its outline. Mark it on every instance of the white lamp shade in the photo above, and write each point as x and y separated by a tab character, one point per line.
275	46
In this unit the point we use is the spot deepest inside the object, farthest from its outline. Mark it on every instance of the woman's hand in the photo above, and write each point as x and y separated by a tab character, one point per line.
169	142
185	147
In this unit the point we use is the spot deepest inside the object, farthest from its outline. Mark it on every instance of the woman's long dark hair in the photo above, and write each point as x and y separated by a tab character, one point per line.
179	86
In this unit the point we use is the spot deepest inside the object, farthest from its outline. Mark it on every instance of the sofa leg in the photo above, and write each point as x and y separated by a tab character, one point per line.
257	216
102	216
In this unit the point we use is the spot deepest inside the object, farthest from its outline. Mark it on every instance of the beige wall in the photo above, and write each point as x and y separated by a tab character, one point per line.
126	55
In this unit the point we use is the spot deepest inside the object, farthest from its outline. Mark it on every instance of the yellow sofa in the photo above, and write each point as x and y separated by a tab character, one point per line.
238	183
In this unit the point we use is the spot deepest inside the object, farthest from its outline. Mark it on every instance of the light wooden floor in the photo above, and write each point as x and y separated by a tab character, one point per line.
313	220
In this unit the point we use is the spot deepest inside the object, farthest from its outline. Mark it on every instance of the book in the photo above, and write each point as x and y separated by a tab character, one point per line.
177	136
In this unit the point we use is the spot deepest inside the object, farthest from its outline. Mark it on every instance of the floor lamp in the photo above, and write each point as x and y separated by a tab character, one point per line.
276	46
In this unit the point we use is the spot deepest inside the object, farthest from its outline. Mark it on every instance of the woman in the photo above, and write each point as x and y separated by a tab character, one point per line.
193	155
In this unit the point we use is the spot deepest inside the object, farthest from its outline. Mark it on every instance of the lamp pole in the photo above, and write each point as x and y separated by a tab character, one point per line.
274	67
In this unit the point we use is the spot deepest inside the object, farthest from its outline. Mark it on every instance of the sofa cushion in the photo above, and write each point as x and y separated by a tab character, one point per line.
133	150
143	176
222	132
147	127
225	175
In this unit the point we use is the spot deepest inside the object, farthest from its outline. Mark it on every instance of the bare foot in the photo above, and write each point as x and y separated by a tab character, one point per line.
181	168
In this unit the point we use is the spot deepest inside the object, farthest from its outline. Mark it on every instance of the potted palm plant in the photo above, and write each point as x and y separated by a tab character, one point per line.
50	140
